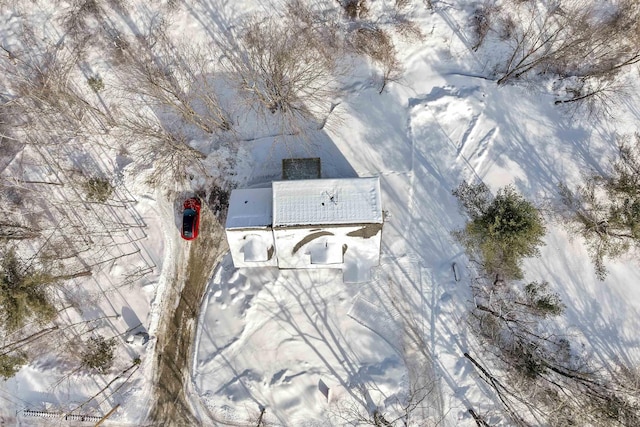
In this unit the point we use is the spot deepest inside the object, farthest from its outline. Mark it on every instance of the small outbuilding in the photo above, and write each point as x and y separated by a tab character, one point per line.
308	223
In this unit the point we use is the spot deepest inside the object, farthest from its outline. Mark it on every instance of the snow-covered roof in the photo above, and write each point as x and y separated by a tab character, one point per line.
250	208
327	201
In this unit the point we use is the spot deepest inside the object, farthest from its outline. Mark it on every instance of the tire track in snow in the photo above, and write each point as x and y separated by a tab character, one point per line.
470	128
480	150
445	141
462	147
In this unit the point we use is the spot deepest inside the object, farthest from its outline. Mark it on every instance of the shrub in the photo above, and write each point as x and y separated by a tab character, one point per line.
11	364
99	354
377	45
23	293
527	361
98	189
541	301
502	230
481	22
96	83
355	9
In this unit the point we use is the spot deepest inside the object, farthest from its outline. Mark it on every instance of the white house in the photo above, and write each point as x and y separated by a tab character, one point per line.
311	223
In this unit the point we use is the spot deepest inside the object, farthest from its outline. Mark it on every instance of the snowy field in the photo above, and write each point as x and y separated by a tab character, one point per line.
301	347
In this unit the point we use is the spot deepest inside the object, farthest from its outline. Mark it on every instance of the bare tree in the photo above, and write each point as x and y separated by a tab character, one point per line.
537	39
597	96
395	414
378	45
168	150
605	210
172	94
285	68
540	375
53	194
46	105
568	39
174	79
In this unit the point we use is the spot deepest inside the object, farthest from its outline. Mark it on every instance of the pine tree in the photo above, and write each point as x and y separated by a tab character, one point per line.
501	231
23	293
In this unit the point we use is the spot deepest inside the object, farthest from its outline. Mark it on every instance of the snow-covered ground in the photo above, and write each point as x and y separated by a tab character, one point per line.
311	350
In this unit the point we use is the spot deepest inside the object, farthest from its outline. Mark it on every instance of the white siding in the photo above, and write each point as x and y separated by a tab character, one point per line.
361	253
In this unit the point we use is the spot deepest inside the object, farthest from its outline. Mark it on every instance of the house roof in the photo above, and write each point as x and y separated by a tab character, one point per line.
326	202
250	208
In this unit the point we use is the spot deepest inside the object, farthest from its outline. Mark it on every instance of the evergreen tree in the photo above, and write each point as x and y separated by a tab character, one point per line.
11	364
23	293
502	230
99	354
